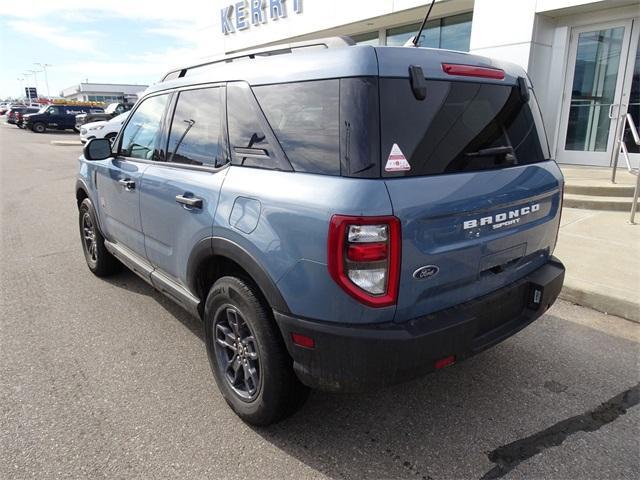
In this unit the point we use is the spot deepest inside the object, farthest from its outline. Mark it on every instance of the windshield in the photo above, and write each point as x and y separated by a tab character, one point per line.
43	108
460	126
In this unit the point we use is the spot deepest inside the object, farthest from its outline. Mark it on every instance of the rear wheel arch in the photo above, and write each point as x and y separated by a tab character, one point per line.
216	257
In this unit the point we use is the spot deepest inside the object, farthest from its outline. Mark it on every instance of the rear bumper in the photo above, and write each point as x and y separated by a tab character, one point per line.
358	358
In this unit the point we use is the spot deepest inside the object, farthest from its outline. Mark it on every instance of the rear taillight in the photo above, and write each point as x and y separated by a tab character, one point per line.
472	71
364	257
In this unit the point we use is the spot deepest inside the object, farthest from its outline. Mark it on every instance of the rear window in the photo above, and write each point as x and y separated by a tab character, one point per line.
304	118
460	126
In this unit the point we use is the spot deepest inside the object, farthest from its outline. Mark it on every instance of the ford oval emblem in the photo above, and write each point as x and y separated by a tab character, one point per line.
425	272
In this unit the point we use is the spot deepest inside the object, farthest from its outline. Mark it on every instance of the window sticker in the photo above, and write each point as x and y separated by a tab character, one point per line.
396	162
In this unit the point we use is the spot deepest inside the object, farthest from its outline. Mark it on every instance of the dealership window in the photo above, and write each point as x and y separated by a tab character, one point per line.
369	38
104	98
452	32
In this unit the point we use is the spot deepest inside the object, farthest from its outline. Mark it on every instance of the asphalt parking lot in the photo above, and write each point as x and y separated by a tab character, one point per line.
108	379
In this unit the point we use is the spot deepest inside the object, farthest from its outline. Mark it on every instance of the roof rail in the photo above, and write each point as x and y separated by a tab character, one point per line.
278	49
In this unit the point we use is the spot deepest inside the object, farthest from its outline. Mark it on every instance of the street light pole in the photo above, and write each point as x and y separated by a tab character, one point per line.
28	92
21	80
46	78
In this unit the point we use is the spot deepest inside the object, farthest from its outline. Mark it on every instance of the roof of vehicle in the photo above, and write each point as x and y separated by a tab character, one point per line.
338	62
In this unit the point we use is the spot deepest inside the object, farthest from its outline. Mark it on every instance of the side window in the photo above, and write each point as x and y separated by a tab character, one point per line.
141	135
196	129
53	110
308	128
250	145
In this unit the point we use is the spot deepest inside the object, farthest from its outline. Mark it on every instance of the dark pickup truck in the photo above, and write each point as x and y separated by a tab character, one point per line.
112	110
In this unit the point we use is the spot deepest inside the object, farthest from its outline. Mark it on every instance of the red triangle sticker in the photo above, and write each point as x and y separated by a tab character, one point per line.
396	162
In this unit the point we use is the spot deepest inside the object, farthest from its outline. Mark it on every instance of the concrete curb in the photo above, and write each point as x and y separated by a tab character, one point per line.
67	143
601	302
591	202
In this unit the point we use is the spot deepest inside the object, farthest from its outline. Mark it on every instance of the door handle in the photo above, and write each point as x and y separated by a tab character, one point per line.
193	202
611	110
127	184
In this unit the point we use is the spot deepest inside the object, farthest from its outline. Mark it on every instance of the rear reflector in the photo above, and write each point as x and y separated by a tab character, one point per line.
472	71
445	362
303	340
367	252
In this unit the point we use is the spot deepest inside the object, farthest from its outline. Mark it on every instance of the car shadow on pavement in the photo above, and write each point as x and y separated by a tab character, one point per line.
450	424
444	425
127	280
52	132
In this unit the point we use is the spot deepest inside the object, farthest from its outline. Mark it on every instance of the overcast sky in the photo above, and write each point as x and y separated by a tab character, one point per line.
116	41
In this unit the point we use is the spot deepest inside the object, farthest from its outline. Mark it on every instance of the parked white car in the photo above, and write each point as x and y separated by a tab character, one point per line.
102	129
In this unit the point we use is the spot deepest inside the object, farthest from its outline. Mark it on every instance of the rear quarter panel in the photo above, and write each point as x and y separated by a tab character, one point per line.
286	232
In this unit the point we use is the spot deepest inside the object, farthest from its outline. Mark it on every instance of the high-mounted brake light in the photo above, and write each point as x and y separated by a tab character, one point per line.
472	71
364	257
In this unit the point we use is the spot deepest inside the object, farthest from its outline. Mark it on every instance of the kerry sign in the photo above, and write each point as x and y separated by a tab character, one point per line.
241	15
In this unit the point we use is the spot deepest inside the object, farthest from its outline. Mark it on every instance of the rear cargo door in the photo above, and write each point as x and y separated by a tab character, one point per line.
469	177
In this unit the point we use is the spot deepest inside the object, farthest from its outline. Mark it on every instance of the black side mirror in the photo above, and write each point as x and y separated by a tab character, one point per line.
97	149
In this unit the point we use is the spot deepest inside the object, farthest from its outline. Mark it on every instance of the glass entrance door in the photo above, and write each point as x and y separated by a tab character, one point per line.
593	93
631	97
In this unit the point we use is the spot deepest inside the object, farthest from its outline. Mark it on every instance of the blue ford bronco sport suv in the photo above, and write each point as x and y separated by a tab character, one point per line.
339	218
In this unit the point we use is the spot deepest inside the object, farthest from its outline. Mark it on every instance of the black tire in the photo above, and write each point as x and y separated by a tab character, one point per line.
39	127
111	136
98	258
278	392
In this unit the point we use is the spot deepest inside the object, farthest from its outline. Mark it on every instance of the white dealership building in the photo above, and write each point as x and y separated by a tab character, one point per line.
582	55
103	92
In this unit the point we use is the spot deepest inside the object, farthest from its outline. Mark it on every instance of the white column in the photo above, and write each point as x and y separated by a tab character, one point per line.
503	29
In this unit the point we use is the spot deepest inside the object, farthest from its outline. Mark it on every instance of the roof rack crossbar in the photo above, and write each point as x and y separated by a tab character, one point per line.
277	49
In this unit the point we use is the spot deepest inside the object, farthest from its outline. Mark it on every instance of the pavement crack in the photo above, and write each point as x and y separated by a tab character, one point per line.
511	455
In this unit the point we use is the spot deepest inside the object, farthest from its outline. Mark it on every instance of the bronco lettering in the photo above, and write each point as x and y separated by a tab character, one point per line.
499	220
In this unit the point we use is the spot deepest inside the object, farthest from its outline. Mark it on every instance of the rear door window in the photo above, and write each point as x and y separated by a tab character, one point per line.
195	137
305	118
460	126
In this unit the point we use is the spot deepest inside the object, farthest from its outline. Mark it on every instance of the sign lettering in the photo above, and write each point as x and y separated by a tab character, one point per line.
241	15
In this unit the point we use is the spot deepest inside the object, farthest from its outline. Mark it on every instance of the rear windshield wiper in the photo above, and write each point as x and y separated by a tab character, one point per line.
488	152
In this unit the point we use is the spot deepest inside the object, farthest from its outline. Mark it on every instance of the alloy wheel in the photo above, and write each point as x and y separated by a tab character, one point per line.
237	352
89	237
